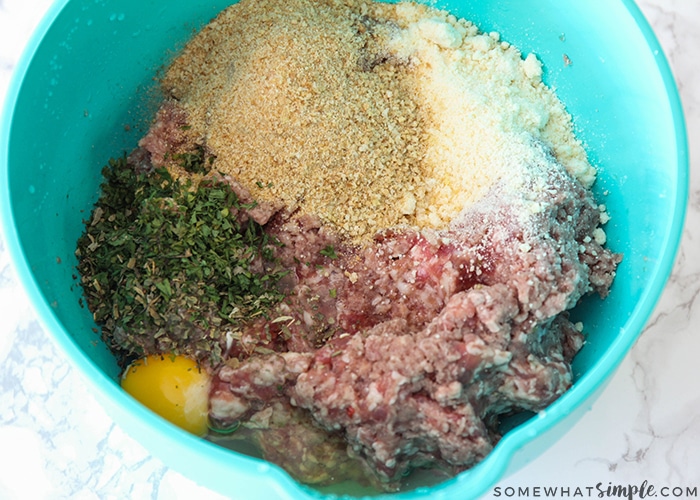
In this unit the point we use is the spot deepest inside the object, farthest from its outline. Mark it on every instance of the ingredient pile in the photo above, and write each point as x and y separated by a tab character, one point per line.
356	230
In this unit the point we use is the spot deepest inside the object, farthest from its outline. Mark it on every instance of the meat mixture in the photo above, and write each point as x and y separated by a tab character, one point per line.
433	253
413	346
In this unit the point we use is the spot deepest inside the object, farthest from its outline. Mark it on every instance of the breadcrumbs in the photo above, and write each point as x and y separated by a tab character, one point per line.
365	114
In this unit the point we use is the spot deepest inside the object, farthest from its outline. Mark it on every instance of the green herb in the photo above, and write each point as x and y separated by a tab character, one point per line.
166	265
329	252
196	162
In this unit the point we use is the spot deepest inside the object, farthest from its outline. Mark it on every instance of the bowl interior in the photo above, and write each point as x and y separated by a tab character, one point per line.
85	92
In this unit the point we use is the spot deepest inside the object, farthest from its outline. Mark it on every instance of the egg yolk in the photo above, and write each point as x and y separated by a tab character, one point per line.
174	387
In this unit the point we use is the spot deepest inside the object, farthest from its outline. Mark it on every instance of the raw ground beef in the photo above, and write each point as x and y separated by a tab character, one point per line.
412	347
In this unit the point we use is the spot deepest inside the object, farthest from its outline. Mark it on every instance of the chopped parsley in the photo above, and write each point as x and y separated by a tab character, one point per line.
329	252
165	265
195	162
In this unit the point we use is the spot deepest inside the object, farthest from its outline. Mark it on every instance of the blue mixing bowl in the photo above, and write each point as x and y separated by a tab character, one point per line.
89	72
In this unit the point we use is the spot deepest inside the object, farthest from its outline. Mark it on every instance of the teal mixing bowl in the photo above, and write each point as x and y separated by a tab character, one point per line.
84	91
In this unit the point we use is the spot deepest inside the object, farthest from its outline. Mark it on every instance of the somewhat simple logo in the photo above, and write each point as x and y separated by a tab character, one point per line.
641	491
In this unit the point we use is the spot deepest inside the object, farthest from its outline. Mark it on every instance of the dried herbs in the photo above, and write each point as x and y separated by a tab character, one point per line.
166	265
329	252
195	162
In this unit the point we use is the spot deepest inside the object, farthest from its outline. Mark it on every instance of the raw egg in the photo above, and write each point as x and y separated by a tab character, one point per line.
174	387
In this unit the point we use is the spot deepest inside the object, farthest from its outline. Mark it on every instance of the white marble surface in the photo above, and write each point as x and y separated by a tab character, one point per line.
645	426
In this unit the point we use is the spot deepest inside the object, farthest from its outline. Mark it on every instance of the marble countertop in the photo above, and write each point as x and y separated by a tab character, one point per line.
644	427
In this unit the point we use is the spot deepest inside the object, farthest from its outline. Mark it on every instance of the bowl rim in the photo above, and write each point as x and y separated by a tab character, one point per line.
603	370
488	471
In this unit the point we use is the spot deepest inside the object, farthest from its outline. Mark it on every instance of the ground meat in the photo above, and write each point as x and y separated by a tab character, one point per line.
167	134
413	346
